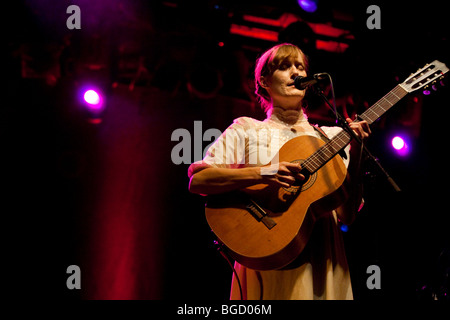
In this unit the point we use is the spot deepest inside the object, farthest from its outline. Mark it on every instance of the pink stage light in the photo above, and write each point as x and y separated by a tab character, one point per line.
92	97
93	100
400	145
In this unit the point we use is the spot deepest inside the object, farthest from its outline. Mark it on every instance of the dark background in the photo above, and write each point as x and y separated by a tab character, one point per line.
107	196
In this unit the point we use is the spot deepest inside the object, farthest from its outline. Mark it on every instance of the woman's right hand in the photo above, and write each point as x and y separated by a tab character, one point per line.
283	173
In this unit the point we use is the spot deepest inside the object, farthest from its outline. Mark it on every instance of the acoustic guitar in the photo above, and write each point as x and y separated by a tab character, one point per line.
266	227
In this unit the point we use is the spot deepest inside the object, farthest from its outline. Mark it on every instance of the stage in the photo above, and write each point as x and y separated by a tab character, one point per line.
104	186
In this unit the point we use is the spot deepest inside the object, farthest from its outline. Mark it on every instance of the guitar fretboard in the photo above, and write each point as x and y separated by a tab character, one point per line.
343	138
384	104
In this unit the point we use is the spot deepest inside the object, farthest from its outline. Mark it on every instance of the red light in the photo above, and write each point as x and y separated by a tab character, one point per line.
257	33
95	120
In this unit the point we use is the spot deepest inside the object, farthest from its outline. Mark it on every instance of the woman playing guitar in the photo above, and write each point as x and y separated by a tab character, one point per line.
237	160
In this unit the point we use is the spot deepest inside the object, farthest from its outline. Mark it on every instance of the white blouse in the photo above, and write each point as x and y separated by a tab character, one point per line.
250	142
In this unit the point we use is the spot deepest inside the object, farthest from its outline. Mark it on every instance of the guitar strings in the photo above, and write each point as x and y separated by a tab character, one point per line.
331	148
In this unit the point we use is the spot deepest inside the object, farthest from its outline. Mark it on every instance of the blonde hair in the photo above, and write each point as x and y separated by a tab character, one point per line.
268	63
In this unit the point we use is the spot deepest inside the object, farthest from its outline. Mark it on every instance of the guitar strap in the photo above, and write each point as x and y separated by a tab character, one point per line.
325	138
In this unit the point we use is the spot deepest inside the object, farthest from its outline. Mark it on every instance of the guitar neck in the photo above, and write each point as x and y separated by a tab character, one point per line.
343	138
384	104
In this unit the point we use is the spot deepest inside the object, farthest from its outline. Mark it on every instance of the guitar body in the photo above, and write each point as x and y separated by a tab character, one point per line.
275	240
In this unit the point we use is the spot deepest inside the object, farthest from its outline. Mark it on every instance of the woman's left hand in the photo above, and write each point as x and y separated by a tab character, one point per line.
361	128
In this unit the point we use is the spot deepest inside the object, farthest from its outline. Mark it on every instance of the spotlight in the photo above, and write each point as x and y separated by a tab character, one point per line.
400	145
308	5
93	100
92	97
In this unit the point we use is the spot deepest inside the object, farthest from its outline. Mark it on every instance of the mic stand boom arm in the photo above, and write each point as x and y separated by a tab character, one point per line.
345	125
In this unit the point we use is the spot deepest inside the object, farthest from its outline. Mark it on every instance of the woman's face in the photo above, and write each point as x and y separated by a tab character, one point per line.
280	85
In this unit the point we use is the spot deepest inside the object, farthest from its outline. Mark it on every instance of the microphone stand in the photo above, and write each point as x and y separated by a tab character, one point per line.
345	125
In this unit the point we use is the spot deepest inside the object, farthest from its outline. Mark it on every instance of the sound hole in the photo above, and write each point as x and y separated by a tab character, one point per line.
305	184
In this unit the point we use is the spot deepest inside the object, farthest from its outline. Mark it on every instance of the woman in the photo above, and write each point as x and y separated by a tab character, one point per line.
236	160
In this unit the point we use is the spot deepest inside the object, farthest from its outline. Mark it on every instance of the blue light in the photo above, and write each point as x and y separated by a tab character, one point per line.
308	5
344	227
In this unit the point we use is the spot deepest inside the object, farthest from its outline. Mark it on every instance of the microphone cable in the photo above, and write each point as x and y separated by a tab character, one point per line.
219	246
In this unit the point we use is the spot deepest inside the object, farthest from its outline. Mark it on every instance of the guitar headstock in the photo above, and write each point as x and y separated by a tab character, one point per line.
425	76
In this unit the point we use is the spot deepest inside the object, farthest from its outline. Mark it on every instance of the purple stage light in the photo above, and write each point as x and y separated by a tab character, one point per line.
400	145
93	100
92	97
308	5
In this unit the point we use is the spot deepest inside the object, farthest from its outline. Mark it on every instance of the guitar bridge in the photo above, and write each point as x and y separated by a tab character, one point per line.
260	214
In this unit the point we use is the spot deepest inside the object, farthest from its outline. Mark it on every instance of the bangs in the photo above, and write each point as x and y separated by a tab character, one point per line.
284	52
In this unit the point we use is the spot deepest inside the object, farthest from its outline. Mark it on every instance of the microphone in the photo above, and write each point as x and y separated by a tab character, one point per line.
302	83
